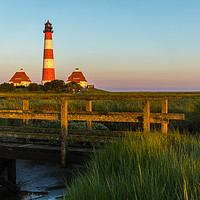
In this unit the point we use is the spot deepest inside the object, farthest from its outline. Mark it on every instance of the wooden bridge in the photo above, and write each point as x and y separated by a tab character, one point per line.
63	135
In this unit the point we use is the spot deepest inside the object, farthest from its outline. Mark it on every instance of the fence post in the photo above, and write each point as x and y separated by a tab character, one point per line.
25	110
164	125
64	133
146	115
88	109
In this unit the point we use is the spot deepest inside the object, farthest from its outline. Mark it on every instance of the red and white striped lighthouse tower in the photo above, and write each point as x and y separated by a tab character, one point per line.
48	74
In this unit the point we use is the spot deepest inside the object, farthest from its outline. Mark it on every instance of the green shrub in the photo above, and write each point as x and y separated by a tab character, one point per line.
33	87
54	86
82	126
6	87
73	87
71	125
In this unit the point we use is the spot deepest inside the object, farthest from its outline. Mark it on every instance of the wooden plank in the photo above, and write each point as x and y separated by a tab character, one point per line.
108	118
11	111
158	120
123	117
89	124
164	125
64	133
89	109
39	136
12	146
109	96
167	116
9	185
137	114
29	116
146	115
57	133
25	110
88	106
25	105
34	130
75	135
90	137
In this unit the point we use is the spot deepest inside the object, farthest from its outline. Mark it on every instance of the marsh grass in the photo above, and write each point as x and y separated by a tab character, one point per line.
175	105
142	167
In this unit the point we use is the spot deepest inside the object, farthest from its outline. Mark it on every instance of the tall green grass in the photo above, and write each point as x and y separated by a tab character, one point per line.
175	105
142	166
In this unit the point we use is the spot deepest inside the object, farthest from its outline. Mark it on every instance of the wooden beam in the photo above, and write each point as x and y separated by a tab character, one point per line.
25	105
35	136
11	111
164	125
88	106
29	116
146	115
158	120
108	96
9	185
64	133
89	109
119	117
56	137
25	110
97	116
167	116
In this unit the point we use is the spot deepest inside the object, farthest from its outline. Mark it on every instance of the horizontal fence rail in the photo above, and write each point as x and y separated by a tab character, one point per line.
95	116
145	117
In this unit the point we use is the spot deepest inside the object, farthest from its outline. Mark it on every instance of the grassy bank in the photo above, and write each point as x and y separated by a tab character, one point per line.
142	167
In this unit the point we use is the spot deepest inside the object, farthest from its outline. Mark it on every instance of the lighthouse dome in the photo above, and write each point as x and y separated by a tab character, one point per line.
48	27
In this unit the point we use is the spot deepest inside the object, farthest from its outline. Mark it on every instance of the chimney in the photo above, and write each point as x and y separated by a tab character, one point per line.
77	69
21	69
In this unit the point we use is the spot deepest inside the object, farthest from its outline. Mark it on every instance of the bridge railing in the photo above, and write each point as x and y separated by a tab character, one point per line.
89	115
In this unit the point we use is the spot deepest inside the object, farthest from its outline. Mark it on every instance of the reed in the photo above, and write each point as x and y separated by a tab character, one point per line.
142	166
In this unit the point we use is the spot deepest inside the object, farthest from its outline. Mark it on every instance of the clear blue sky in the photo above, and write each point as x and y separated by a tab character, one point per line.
117	44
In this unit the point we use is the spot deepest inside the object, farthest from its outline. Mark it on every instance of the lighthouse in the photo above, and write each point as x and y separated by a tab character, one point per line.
48	74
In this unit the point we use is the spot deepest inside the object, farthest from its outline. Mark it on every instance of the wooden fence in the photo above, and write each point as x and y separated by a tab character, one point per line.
89	115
